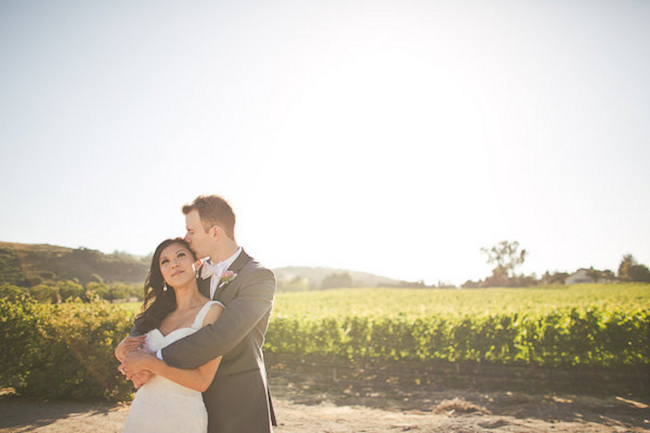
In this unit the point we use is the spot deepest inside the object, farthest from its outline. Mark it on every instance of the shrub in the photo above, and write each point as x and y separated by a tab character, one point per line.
10	291
62	351
70	290
44	293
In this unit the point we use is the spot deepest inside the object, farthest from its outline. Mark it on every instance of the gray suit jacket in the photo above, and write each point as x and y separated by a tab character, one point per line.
238	400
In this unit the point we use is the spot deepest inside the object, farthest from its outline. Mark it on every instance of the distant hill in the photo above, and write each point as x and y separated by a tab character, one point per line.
26	265
304	278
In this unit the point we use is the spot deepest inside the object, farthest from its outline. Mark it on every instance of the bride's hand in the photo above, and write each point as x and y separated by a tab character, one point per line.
135	361
129	344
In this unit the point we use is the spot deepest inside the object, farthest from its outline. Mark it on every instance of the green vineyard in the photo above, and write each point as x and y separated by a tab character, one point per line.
66	350
586	325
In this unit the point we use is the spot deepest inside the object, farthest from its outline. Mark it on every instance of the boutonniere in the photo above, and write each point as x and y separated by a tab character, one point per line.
227	277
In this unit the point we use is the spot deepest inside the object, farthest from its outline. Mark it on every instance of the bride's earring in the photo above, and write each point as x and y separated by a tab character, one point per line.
164	287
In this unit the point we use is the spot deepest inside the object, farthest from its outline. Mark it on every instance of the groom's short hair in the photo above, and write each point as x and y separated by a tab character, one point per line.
213	210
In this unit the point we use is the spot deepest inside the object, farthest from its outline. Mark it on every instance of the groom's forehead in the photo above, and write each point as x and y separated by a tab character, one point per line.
193	219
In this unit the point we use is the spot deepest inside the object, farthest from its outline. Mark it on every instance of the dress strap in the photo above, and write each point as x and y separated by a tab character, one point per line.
200	316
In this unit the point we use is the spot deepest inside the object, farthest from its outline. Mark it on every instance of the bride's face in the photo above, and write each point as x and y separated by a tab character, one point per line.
177	265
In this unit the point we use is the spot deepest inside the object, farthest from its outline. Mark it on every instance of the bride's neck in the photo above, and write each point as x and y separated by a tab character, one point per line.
187	296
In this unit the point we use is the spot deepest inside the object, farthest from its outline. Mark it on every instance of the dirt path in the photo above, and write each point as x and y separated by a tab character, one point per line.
19	415
313	398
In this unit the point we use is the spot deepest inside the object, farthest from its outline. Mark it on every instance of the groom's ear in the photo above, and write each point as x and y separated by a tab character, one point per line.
216	232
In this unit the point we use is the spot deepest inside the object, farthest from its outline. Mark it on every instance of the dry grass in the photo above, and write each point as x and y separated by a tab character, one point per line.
459	406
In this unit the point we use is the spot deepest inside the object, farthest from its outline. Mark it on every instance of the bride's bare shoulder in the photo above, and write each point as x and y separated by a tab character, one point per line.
213	313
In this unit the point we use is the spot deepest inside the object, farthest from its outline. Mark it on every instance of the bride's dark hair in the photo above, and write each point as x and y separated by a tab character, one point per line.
158	303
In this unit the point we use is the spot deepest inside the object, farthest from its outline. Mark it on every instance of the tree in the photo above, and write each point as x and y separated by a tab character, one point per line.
99	289
335	281
70	290
35	280
469	284
624	268
554	278
630	270
46	294
639	273
507	257
118	291
137	291
296	284
96	278
601	276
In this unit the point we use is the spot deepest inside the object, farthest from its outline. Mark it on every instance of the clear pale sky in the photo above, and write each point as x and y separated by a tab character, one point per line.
394	137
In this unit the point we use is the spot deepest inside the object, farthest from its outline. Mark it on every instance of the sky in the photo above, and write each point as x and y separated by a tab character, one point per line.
395	137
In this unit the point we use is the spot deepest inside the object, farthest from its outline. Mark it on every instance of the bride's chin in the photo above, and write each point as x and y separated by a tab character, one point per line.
182	284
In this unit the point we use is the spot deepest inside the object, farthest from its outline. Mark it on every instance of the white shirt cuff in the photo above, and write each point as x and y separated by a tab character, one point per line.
159	354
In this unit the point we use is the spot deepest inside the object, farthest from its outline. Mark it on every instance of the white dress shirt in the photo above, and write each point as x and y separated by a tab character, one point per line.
218	270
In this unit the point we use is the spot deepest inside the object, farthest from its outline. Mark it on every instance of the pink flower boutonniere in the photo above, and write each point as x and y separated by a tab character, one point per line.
227	277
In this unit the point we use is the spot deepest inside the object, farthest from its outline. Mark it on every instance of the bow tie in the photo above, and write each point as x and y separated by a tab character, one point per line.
208	269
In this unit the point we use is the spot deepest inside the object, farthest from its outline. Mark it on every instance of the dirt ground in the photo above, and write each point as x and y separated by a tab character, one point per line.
314	396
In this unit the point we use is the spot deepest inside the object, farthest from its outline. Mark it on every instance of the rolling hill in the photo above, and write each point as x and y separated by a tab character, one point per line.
26	265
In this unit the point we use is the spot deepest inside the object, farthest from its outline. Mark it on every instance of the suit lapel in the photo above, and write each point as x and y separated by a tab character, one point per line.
236	267
240	262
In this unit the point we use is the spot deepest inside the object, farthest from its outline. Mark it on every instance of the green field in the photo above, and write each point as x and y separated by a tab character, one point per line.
66	350
419	303
562	326
584	325
425	302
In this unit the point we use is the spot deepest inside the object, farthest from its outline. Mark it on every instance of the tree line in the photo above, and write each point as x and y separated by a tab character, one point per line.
507	257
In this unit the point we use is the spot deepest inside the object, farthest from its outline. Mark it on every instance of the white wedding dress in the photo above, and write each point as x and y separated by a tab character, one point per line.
162	405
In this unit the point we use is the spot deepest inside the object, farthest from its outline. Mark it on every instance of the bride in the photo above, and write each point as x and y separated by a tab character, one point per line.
173	308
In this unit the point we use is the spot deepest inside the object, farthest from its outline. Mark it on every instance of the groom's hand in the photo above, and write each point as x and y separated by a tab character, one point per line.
134	366
142	377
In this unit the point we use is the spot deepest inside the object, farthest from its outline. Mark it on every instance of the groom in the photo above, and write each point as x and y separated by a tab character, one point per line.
238	401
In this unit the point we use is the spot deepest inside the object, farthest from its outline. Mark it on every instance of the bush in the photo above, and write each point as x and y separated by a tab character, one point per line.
118	291
62	351
19	322
100	289
44	293
70	290
9	291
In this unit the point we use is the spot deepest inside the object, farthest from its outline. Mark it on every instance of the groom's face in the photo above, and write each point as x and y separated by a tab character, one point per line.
202	243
